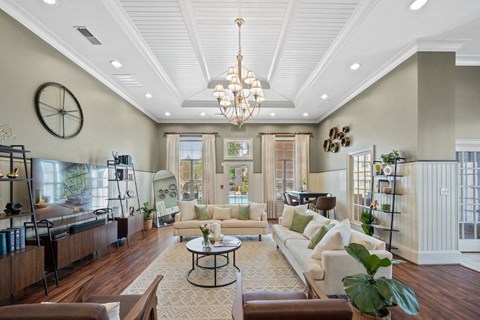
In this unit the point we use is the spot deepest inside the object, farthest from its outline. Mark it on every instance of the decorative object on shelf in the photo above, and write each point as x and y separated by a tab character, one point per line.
377	168
388	170
6	133
206	229
147	216
382	183
367	219
387	190
385	207
370	296
58	110
374	205
130	193
239	110
12	208
389	158
336	139
304	184
115	157
131	210
14	174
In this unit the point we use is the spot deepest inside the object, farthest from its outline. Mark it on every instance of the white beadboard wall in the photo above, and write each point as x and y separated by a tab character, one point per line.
428	221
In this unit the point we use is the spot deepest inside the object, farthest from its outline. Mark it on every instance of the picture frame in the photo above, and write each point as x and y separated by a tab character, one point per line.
382	184
237	149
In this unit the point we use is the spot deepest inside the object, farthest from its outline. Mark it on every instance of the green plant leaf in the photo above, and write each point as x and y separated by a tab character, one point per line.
364	294
399	294
360	254
376	263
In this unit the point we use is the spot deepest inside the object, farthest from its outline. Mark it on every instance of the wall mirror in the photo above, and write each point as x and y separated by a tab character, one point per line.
165	192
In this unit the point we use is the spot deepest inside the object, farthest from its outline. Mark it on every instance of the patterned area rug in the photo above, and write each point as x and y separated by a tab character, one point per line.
263	267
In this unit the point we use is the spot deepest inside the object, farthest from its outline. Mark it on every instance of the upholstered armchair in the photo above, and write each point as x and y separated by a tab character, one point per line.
73	304
313	305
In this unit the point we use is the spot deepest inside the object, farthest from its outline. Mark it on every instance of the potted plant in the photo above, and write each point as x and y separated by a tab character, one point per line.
371	297
389	158
147	216
367	220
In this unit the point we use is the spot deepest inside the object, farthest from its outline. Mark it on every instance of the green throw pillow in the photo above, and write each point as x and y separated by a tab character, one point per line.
319	234
300	221
243	212
202	213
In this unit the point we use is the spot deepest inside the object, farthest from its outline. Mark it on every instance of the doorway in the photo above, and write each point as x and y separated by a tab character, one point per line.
237	181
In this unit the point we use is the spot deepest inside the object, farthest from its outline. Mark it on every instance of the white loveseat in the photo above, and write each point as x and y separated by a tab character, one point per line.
257	225
334	264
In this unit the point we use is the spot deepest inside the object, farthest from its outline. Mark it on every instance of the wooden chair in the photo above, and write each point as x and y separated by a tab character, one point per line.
132	307
288	305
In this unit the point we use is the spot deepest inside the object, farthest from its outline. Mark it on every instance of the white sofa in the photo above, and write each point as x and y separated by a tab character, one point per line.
231	226
334	265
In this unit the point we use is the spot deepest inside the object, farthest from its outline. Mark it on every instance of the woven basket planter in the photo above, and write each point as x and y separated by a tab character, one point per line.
358	315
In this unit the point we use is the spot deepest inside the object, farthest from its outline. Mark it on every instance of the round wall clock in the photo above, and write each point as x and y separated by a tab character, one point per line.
58	110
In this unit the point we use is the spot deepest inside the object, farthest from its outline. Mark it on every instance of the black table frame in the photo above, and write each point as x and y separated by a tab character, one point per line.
197	255
302	195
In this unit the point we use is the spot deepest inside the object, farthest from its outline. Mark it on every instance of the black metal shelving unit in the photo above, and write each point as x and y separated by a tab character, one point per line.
19	152
121	185
392	199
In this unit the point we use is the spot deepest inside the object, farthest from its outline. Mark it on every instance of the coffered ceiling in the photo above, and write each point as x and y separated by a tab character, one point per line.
176	50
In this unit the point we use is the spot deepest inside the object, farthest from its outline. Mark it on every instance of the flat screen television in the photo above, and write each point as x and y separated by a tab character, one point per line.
65	188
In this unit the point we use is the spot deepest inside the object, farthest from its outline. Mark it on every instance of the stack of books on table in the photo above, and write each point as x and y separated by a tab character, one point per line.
226	243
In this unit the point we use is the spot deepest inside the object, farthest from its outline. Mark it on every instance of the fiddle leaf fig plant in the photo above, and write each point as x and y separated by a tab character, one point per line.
146	210
372	296
367	220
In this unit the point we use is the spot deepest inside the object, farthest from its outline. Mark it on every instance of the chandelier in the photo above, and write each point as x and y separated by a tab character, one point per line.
235	105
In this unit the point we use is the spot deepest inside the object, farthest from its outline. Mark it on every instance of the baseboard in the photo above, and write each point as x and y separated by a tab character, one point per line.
428	257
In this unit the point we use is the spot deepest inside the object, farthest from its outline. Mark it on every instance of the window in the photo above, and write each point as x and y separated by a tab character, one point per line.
191	168
360	177
469	194
284	165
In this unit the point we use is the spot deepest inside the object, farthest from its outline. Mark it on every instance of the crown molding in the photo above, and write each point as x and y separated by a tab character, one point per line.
26	19
467	60
440	45
123	20
362	11
221	120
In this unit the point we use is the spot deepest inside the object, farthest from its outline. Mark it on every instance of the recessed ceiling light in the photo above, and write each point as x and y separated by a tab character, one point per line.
202	114
324	96
116	64
148	95
305	114
272	114
51	2
355	66
167	113
417	4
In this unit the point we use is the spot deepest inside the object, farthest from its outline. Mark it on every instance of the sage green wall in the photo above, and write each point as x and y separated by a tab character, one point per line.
467	111
384	115
249	130
436	106
110	123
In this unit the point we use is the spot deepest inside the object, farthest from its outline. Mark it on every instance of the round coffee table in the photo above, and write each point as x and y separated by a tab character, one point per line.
198	252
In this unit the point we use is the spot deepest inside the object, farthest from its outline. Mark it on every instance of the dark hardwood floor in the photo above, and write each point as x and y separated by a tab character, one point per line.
444	292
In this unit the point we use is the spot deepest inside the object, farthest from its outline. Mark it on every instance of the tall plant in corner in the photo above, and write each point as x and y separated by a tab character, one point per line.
373	296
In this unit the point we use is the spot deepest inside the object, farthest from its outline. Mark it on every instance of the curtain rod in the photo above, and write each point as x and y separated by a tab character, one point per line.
189	132
285	133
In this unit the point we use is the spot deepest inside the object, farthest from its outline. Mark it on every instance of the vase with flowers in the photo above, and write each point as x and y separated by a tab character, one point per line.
206	230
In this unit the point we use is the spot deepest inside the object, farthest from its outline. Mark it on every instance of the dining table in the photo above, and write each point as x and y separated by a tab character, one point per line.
304	196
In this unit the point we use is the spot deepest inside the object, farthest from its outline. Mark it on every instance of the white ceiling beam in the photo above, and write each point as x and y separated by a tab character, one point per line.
360	14
136	38
189	19
287	26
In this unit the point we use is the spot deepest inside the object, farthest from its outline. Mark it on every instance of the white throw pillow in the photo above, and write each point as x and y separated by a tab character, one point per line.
336	239
187	209
367	243
287	214
113	310
256	210
311	228
222	213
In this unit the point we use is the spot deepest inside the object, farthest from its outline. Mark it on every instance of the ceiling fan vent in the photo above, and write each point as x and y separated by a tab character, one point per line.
87	34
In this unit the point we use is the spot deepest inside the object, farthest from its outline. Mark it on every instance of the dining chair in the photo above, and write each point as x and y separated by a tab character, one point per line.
289	200
325	204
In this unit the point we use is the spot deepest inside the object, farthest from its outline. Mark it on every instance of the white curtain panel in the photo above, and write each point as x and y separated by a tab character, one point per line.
302	165
268	170
173	154
209	170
